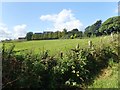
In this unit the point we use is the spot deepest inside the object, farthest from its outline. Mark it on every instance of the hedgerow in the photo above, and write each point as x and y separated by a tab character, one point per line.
74	69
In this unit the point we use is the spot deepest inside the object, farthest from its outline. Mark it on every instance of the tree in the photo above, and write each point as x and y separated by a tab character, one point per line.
110	25
80	34
91	30
65	31
29	36
89	34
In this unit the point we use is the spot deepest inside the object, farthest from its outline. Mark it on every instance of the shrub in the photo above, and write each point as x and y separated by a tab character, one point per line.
74	69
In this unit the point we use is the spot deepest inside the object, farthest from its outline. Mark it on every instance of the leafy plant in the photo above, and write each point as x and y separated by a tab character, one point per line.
76	68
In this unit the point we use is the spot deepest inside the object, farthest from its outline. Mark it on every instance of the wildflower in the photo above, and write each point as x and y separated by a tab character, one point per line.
73	67
77	72
74	83
73	71
78	75
67	82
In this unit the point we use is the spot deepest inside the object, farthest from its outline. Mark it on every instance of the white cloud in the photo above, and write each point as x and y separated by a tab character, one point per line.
48	17
64	19
4	33
18	31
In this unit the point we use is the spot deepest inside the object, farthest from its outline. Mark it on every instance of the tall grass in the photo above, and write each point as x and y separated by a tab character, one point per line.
108	79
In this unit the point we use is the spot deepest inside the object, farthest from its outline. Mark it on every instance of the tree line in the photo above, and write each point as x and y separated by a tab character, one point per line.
97	29
75	33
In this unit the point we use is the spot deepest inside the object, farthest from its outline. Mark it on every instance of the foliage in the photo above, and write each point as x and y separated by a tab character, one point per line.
93	29
11	66
108	79
29	35
76	68
105	28
110	25
47	35
96	29
57	35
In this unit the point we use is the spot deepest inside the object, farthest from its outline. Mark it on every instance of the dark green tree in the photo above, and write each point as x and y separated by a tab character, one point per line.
29	36
110	25
93	29
65	31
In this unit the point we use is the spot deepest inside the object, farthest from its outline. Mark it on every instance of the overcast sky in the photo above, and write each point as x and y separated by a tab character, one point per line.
21	17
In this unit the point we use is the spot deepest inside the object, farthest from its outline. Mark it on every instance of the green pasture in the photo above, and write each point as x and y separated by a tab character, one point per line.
55	46
108	79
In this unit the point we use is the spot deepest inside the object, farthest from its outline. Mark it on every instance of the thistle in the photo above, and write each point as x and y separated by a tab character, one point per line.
90	44
77	46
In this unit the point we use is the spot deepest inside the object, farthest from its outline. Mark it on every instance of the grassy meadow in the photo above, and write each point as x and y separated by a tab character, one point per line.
107	79
55	46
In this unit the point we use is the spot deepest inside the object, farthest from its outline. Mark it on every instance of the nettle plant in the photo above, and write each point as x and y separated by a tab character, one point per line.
75	67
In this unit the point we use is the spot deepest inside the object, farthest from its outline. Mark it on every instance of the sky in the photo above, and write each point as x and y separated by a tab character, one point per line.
18	18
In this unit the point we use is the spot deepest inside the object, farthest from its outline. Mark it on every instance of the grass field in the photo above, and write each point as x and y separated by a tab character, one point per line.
55	46
108	78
